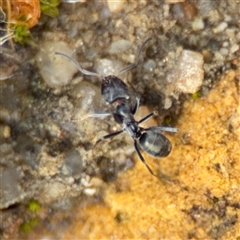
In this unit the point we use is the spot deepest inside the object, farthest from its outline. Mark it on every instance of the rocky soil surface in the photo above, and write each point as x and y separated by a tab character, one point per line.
55	183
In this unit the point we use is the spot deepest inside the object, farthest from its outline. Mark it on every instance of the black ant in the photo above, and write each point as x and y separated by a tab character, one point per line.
114	90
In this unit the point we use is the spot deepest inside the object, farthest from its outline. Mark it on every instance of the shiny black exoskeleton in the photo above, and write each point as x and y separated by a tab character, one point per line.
113	88
115	91
149	139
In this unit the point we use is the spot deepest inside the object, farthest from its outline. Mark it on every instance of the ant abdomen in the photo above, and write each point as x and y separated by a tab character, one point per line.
155	144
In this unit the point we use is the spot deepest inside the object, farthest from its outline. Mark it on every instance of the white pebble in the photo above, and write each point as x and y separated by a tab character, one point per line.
120	46
225	44
116	6
220	28
105	67
150	65
173	1
197	24
90	191
187	74
167	103
166	9
70	180
234	48
224	51
227	18
56	70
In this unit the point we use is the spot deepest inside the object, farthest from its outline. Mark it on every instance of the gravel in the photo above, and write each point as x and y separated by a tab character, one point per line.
45	105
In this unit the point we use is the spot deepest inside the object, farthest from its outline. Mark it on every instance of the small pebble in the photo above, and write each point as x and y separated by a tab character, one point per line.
5	131
150	65
234	48
167	103
230	33
70	180
187	75
4	114
238	36
190	11
52	191
205	7
184	11
90	191
5	148
116	6
120	46
106	67
73	162
197	24
173	1
56	70
10	187
224	51
207	55
213	16
225	44
227	18
220	28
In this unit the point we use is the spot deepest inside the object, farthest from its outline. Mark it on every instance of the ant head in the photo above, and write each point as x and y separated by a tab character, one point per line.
113	89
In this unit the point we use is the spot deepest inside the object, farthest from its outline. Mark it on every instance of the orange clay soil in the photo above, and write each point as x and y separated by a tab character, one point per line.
202	202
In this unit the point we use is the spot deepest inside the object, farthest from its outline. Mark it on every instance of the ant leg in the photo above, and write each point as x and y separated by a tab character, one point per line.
136	105
96	115
165	129
147	117
100	115
137	60
161	175
142	158
108	136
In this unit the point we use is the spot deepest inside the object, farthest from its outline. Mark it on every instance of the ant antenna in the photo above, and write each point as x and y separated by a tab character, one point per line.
86	72
83	71
137	60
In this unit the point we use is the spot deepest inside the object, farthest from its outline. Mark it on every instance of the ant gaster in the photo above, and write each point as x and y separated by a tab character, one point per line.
115	91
